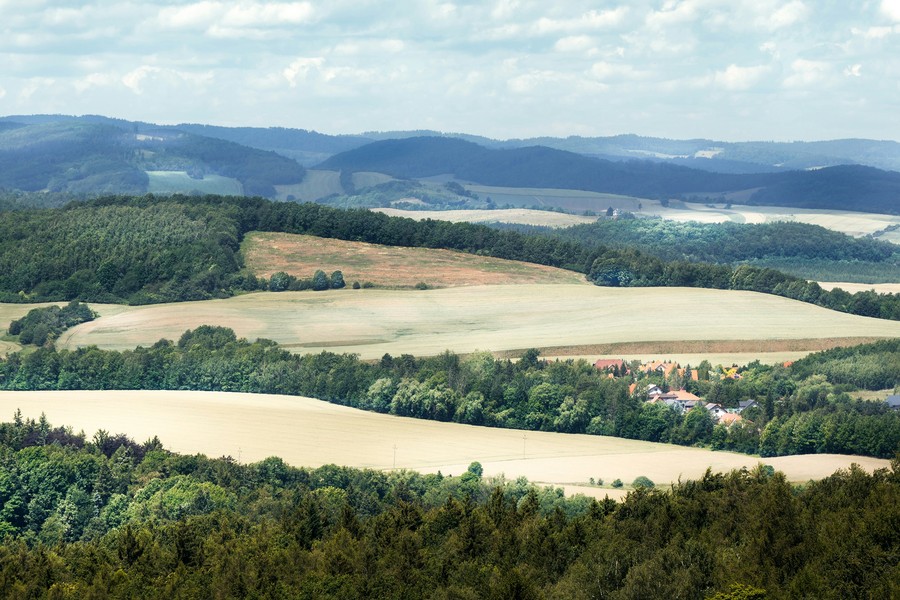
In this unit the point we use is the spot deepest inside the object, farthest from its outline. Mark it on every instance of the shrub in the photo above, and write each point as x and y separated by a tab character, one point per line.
617	483
643	481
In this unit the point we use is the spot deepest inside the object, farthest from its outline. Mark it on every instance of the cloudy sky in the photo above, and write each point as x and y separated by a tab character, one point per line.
723	69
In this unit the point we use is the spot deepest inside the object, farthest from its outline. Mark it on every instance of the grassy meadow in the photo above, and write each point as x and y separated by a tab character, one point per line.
316	184
308	432
179	182
389	266
564	318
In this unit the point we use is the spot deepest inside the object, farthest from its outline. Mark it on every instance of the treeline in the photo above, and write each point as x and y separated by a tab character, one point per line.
569	397
150	249
42	325
111	518
804	250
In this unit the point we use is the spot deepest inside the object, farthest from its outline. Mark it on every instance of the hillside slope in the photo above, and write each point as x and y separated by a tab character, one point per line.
846	187
99	158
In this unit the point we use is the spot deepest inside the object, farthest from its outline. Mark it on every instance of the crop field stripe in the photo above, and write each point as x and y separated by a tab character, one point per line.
308	432
497	318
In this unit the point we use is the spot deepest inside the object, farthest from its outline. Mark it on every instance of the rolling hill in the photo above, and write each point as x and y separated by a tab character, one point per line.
844	187
94	158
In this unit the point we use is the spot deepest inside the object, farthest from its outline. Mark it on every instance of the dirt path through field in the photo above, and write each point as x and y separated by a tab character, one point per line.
308	432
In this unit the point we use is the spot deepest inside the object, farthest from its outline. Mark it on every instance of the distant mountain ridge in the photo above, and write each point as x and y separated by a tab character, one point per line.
848	187
97	156
93	154
311	147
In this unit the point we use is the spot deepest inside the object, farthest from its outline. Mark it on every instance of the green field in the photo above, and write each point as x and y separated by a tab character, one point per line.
179	182
315	185
308	432
500	317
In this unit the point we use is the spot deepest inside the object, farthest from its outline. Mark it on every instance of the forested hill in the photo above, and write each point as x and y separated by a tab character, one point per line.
163	249
110	518
100	158
804	250
844	187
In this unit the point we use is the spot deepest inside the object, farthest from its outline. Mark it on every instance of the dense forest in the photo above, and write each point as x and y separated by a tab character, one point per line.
108	517
103	158
802	250
804	408
158	249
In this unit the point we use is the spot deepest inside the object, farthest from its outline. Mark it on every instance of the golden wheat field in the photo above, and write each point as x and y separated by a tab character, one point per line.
500	317
308	432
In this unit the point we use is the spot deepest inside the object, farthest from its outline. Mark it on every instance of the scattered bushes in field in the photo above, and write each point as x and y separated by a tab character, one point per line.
42	325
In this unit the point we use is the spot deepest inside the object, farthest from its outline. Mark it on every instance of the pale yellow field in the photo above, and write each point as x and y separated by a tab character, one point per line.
502	317
522	216
307	432
881	288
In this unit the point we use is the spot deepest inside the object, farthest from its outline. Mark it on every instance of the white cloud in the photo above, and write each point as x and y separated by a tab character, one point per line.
279	13
607	71
807	73
740	78
165	80
2	93
787	15
590	21
875	33
891	10
300	68
853	70
198	15
94	80
225	19
574	43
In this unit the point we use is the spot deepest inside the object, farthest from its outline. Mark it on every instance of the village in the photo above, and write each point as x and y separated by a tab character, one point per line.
666	382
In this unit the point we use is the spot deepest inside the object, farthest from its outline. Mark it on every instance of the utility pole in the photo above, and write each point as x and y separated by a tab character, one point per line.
524	438
395	456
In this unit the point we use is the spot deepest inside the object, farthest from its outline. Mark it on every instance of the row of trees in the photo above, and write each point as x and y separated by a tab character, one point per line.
111	518
807	251
149	249
478	389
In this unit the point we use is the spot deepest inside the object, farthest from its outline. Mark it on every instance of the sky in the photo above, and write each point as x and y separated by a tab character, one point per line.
731	70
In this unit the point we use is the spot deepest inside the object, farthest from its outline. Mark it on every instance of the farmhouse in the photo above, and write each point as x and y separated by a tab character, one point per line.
893	402
611	364
659	367
730	419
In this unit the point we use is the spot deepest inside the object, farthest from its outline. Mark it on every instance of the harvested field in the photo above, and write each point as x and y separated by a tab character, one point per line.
499	317
307	432
849	222
522	216
881	288
389	266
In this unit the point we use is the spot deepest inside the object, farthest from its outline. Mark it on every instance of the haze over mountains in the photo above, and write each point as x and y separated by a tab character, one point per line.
95	155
